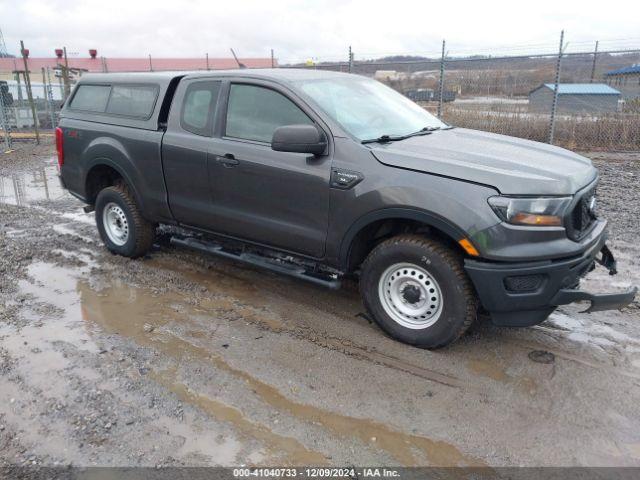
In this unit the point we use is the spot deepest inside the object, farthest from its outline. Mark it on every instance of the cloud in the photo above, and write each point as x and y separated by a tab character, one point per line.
298	30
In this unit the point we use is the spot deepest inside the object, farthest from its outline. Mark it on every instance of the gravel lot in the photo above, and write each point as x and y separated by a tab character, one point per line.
181	359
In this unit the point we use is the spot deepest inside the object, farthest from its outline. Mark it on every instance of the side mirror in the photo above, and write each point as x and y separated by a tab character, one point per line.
299	139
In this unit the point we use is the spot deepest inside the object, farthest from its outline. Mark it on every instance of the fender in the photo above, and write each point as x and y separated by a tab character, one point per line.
109	152
396	213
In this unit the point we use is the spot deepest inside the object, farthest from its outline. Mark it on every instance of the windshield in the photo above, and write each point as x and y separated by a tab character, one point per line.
368	109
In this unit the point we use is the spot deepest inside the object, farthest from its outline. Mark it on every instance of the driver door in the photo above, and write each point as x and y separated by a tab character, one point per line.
279	199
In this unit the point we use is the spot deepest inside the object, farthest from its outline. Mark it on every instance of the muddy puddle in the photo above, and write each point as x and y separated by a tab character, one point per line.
69	309
28	187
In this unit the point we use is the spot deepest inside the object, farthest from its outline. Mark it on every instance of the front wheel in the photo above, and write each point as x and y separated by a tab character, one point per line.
121	226
416	290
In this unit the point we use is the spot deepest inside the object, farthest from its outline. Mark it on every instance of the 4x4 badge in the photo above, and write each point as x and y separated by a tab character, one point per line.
345	179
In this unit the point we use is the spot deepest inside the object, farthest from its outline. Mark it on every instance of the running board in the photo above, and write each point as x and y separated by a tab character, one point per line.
293	270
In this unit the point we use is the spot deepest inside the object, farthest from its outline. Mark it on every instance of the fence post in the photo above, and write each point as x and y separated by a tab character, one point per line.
27	81
44	89
554	104
4	123
350	59
593	67
18	84
50	100
441	83
65	76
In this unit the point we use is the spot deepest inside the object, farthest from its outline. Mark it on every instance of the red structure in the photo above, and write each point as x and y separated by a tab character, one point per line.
96	64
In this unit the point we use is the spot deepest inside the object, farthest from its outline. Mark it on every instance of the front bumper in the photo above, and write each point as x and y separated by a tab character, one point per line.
524	294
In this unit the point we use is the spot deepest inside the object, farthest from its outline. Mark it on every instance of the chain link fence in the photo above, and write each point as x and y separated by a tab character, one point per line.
517	98
571	97
17	121
566	96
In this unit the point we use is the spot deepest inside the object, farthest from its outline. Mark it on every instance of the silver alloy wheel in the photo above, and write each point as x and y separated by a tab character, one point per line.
115	224
410	295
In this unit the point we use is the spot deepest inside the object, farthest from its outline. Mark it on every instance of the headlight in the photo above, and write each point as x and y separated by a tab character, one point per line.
541	211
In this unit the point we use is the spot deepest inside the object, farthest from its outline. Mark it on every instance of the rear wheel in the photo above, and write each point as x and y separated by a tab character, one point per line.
416	290
121	226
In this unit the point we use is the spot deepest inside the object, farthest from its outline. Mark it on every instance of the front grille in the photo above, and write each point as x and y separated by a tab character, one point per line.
582	216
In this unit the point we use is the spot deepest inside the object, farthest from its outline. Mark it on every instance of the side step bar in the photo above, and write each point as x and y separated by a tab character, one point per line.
293	270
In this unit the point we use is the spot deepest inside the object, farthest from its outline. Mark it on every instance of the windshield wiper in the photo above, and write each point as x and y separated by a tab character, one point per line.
395	138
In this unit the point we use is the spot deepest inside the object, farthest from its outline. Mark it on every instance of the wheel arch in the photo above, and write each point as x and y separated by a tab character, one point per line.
104	172
374	227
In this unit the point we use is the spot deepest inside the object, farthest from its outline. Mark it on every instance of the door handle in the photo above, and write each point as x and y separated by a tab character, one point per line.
227	161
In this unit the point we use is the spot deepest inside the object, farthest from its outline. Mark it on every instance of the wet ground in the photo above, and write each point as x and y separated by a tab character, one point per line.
182	359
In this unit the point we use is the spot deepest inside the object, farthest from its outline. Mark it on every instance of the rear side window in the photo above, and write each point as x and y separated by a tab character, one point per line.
199	107
132	100
255	112
91	98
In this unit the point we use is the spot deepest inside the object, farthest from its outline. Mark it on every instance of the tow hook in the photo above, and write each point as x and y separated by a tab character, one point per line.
607	260
88	208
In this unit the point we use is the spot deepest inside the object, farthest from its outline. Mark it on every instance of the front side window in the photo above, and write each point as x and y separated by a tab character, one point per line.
199	106
132	100
255	112
366	108
91	98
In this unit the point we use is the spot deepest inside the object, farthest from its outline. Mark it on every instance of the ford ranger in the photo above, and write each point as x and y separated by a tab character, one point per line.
327	176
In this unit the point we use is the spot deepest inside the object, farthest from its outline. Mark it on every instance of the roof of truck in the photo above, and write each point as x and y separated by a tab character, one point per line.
286	74
280	74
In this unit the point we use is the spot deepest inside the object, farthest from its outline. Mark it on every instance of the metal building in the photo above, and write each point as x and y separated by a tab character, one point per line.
575	98
627	80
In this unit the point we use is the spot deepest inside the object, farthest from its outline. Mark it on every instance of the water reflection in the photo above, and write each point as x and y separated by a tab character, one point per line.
28	187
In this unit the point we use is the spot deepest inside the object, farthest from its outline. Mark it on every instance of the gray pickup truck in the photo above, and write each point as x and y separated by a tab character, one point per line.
326	176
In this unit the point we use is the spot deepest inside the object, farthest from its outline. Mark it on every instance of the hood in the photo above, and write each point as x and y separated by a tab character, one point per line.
512	165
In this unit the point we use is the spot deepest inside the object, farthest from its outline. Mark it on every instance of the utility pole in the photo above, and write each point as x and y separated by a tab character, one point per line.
350	59
207	57
273	63
27	81
593	67
65	76
556	86
150	64
441	82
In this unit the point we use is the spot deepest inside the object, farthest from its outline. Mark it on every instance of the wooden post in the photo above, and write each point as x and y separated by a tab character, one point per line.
27	81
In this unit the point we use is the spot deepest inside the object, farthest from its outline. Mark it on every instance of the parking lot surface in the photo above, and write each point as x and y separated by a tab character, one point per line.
183	359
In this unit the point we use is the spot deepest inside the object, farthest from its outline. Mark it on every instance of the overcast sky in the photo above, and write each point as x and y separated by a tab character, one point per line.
313	29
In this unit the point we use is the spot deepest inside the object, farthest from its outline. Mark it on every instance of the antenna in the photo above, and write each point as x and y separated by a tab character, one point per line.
3	47
240	65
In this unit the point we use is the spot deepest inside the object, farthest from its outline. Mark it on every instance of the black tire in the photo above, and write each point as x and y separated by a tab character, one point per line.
141	232
457	304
